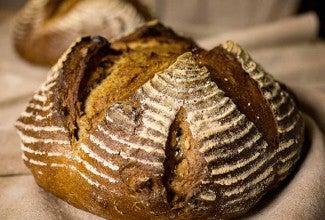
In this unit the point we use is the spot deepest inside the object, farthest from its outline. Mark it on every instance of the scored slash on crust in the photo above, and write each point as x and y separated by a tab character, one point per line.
238	163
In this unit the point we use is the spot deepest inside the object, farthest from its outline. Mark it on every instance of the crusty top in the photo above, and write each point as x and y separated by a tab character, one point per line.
153	127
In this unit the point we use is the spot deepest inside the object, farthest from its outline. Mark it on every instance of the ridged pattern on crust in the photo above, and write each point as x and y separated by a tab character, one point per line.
242	171
112	19
288	117
239	164
42	139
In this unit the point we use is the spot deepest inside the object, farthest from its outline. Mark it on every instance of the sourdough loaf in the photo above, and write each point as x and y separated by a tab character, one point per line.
45	28
153	127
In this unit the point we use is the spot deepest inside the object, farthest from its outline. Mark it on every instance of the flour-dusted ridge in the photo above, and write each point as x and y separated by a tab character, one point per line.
180	145
53	25
287	115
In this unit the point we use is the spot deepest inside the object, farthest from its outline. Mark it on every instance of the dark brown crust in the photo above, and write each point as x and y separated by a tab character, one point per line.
97	79
243	90
153	30
139	58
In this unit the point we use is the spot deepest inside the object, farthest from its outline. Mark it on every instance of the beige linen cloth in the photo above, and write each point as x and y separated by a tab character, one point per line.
292	54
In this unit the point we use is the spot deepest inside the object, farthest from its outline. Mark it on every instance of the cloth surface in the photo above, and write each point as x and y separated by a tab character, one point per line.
199	18
299	64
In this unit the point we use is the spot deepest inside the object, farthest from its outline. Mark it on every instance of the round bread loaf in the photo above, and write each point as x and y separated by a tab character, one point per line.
45	28
153	127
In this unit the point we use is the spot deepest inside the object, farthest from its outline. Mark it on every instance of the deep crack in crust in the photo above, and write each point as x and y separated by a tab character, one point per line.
153	127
